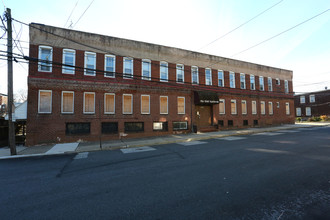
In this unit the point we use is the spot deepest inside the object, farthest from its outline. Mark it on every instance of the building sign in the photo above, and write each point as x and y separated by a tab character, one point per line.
206	98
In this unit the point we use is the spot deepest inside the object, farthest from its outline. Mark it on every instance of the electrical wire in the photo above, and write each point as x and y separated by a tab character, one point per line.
83	13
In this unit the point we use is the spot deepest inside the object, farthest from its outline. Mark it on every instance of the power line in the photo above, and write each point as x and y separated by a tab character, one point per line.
83	13
71	13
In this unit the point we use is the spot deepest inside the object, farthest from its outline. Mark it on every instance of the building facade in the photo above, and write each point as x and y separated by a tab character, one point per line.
84	86
312	104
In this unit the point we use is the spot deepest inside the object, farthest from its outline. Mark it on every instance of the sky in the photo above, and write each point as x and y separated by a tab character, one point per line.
287	34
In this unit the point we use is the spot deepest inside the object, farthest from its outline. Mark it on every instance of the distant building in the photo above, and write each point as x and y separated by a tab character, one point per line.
3	104
82	86
313	104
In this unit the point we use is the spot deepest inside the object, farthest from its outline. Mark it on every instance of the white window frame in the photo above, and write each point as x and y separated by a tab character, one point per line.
63	105
126	75
261	83
287	108
84	110
50	60
130	112
105	66
286	86
224	106
67	69
51	101
270	84
160	105
298	111
254	108
222	78
262	107
145	113
244	112
231	110
148	62
184	105
194	69
311	98
164	65
232	79
252	82
85	65
302	99
114	103
178	70
270	108
208	82
242	80
308	111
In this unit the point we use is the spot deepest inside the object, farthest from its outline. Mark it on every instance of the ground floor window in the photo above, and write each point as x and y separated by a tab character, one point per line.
230	123
109	127
255	122
180	125
160	126
220	123
78	128
245	122
134	126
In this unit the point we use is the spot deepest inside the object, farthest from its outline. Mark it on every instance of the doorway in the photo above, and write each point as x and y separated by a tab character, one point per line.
203	116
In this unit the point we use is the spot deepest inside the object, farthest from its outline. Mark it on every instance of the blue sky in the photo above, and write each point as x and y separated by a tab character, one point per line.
192	24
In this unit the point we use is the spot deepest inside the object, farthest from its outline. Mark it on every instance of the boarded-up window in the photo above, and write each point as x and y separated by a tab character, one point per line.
109	103
127	104
244	109
270	108
233	107
145	104
67	102
89	102
181	105
163	105
287	108
45	101
254	107
222	106
262	108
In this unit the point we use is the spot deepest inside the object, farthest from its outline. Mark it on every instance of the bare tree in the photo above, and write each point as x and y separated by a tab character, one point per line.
20	95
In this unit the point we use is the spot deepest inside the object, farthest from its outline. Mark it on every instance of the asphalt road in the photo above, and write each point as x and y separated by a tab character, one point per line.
284	175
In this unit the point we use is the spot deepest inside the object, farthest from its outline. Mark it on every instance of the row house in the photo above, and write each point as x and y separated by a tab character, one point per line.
83	86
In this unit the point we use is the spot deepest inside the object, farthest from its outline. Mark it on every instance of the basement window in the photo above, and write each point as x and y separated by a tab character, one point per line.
134	126
180	125
109	127
160	126
77	128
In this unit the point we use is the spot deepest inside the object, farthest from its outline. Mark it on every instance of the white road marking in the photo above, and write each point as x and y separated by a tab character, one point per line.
137	149
189	143
268	133
289	131
231	138
61	148
82	155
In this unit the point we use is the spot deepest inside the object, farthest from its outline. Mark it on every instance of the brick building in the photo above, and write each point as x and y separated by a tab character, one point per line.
83	86
313	104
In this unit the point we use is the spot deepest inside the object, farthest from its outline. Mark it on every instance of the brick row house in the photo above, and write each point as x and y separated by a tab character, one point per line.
82	86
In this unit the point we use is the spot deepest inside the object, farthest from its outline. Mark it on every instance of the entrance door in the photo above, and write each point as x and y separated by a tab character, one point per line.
203	116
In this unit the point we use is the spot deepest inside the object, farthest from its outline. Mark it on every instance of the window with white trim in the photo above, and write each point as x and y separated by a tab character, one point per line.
127	104
286	86
146	69
145	104
222	109
180	73
194	75
231	79
163	71
262	107
89	102
69	58
311	98
302	99
109	66
90	64
128	67
181	105
244	107
163	100
220	78
252	82
261	83
67	105
270	108
298	111
45	101
254	107
233	107
308	111
45	59
242	80
109	103
287	108
208	76
270	84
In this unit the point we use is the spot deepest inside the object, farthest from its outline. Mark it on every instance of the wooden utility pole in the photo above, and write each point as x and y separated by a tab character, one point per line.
11	134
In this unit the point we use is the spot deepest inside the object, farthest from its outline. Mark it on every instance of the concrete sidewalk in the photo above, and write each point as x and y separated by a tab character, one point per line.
55	149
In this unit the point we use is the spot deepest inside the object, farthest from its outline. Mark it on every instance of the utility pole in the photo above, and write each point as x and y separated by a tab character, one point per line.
11	135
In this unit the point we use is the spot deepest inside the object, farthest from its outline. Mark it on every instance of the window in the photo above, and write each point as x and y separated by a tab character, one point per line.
270	108
308	111
230	123
302	99
278	104
286	86
287	108
252	82
181	105
109	103
127	103
194	75
233	107
134	126
220	123
242	80
109	66
128	67
45	101
146	69
208	77
77	128
145	104
244	107
261	83
222	110
45	59
163	104
245	122
270	84
255	122
180	125
109	127
69	57
311	98
254	107
67	102
232	79
262	107
278	81
163	71
90	63
160	126
298	111
89	102
220	78
180	73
